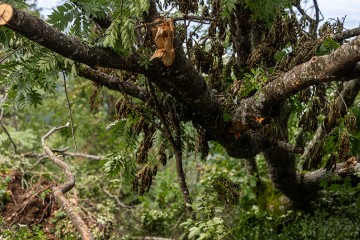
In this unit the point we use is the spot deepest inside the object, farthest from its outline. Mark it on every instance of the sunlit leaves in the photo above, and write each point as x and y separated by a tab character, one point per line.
63	15
68	17
121	34
29	76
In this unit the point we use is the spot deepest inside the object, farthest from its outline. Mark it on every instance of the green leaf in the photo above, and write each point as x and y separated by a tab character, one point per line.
327	47
194	231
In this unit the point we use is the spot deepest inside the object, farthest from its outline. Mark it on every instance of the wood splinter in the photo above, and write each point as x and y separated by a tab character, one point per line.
6	13
163	38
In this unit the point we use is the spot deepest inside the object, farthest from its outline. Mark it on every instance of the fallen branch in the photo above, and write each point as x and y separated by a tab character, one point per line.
64	154
60	190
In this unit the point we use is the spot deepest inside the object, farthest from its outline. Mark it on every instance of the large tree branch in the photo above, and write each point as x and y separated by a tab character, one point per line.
311	181
39	31
180	79
59	191
113	83
316	71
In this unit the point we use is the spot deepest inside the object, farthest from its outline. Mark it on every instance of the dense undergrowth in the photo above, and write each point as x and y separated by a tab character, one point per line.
113	212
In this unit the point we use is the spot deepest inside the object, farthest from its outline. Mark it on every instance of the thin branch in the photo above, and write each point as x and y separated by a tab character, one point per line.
303	13
317	14
199	19
2	124
59	191
70	111
9	136
116	199
113	83
7	56
83	155
179	158
168	134
311	180
176	144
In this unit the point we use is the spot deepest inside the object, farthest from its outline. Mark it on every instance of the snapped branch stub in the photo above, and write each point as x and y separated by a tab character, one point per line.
6	13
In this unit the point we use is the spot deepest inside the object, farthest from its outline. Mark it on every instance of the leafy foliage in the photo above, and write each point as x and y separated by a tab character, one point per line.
327	47
133	191
267	9
121	34
254	81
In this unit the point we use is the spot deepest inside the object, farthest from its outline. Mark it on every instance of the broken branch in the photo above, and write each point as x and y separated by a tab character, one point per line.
59	191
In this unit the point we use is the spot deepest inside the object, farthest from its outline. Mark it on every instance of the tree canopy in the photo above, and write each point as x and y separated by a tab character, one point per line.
261	82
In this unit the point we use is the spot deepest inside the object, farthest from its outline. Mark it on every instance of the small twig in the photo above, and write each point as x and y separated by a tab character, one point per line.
185	17
60	150
88	156
59	191
7	56
116	199
317	14
70	112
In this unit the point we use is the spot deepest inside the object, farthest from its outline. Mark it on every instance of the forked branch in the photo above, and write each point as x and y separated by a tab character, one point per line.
60	190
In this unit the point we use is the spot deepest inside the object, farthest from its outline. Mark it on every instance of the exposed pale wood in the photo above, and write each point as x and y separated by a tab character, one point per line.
6	13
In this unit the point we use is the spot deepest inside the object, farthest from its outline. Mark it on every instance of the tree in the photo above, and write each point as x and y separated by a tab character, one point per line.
240	71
